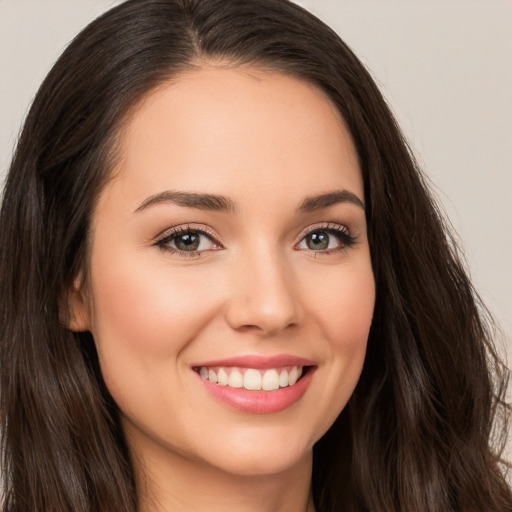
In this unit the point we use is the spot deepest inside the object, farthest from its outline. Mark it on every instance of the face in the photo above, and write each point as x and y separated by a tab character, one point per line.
230	252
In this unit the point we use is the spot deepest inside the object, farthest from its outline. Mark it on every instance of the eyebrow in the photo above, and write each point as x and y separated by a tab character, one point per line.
320	201
223	204
191	200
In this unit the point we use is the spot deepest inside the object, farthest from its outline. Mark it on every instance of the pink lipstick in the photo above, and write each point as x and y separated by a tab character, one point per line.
257	384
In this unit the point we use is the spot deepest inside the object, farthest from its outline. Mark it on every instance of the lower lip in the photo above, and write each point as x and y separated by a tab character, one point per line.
260	402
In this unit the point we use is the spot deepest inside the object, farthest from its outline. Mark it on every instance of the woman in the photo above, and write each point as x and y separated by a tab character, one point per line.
224	283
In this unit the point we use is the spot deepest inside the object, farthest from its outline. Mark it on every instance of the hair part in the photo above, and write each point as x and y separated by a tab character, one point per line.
417	433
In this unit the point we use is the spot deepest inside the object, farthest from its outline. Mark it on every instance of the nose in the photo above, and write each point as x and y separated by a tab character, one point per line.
263	295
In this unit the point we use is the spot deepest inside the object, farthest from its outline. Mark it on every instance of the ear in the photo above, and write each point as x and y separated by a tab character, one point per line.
75	314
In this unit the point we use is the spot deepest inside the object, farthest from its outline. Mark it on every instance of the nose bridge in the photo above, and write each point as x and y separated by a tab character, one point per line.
263	293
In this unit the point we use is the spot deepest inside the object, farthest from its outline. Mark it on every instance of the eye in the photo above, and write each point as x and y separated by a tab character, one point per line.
188	240
327	238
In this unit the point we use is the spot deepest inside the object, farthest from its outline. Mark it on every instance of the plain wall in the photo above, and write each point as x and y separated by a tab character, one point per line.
444	66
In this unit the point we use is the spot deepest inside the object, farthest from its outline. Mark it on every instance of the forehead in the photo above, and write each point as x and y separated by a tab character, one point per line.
233	131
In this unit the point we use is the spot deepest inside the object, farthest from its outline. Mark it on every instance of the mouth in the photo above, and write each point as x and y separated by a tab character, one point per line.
256	385
253	379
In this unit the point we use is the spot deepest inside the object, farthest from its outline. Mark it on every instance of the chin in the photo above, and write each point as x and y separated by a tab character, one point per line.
251	465
263	454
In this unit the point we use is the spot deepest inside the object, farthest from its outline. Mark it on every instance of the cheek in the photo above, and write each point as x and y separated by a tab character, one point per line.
145	314
344	314
344	305
348	329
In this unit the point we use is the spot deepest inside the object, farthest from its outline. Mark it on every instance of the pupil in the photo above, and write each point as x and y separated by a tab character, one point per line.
318	240
188	242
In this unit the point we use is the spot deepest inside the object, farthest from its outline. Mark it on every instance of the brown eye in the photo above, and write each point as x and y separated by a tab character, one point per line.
326	239
187	241
318	240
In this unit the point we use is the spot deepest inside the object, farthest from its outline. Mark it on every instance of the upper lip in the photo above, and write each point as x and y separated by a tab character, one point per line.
257	361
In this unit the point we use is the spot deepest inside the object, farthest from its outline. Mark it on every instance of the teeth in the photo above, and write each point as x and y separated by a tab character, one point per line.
294	375
270	380
222	378
251	378
235	380
283	379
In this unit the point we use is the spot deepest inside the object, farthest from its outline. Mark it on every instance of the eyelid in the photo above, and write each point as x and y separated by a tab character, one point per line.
341	231
202	229
333	226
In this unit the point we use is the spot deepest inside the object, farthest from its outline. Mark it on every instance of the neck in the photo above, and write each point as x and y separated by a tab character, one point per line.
171	482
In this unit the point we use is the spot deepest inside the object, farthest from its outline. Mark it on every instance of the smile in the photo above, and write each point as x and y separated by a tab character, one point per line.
252	379
255	384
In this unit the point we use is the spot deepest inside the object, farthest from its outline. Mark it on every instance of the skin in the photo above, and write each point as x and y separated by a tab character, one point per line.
266	142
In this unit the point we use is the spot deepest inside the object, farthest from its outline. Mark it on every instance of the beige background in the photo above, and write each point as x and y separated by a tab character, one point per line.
444	66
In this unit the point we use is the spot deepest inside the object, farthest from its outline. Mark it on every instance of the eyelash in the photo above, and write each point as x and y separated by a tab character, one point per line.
342	233
174	233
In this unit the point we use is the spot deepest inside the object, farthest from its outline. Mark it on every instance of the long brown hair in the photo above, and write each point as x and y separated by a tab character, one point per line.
422	430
